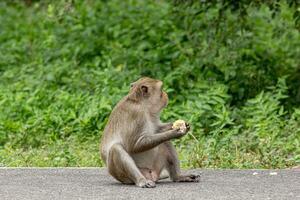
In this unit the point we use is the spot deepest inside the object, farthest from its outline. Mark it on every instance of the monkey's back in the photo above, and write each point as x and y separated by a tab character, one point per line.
123	123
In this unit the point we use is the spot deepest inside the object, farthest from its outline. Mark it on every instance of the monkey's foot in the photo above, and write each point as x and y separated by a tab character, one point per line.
188	178
146	184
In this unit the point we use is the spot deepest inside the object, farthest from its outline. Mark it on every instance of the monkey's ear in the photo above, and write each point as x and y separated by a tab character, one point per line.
138	93
144	90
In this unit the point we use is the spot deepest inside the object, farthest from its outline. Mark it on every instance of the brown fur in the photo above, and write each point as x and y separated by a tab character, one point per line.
135	144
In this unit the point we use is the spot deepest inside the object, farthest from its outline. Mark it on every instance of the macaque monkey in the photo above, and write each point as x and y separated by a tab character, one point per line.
135	144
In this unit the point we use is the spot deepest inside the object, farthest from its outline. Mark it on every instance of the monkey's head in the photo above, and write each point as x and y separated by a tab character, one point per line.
149	92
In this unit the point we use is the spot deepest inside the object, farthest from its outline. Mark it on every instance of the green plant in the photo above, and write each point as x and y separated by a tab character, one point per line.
230	69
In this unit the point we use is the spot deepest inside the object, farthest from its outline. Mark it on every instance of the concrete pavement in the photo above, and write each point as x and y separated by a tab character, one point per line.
95	183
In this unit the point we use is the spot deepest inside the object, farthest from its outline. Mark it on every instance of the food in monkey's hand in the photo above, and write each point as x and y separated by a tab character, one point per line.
180	124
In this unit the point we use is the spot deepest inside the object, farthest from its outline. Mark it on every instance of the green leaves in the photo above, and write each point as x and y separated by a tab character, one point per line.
231	71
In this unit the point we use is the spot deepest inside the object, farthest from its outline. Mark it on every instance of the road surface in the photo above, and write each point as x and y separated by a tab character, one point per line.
94	183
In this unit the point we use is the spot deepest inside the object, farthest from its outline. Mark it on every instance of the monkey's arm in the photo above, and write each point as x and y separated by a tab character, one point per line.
148	141
165	127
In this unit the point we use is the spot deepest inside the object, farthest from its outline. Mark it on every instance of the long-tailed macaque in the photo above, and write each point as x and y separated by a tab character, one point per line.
136	145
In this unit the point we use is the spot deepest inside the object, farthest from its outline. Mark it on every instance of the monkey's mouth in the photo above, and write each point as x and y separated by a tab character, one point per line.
165	104
166	100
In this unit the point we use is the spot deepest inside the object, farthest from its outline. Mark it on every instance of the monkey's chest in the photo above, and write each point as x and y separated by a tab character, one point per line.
147	159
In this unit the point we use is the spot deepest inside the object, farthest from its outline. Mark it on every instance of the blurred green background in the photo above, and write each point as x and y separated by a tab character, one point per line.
231	69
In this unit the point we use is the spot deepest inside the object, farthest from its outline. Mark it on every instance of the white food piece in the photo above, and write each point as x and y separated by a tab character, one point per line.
273	173
179	124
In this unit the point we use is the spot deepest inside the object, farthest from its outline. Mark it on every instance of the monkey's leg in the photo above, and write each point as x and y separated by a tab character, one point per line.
164	175
173	166
123	168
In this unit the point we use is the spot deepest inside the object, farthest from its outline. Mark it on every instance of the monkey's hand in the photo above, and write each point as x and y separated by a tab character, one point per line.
181	127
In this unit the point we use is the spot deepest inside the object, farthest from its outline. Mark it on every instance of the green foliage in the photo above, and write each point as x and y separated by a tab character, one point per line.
233	76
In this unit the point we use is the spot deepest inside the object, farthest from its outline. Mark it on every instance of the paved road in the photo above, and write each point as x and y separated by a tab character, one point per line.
93	183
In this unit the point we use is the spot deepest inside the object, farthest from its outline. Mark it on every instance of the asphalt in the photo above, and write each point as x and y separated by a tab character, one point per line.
94	183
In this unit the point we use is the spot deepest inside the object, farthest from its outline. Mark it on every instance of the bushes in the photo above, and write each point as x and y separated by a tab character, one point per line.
64	65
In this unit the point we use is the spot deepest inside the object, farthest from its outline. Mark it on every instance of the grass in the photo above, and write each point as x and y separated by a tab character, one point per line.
65	64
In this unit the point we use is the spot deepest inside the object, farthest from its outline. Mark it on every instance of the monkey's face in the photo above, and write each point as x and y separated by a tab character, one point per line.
164	99
157	97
